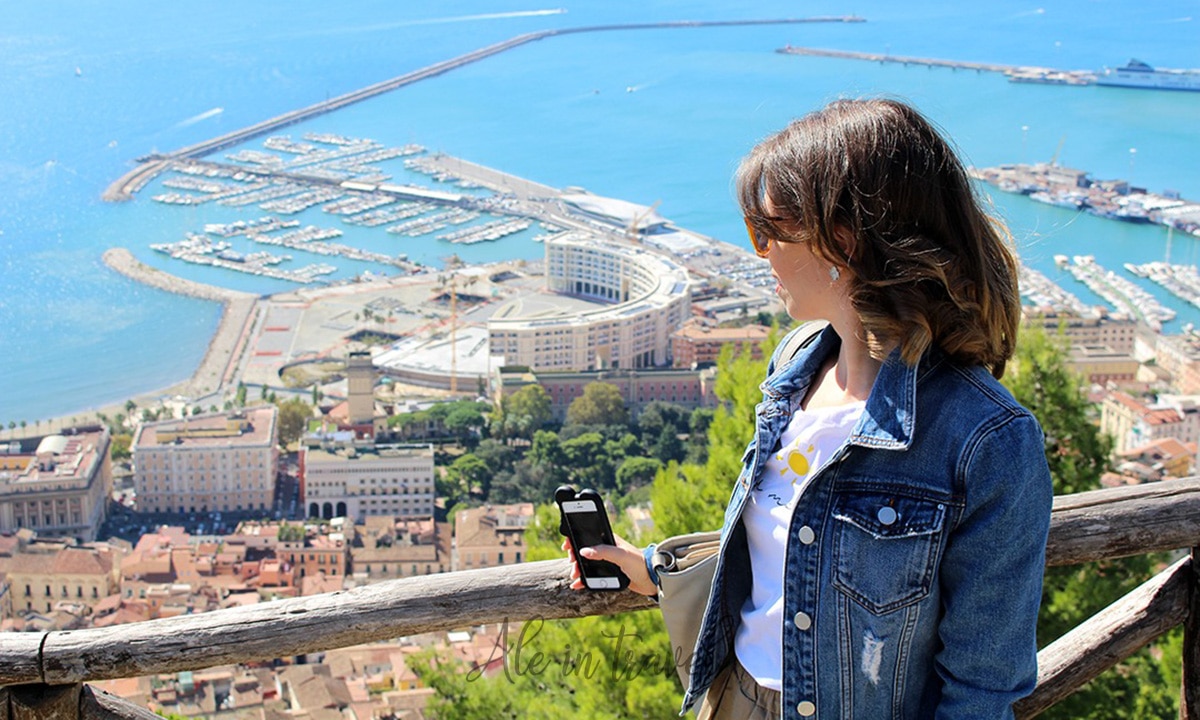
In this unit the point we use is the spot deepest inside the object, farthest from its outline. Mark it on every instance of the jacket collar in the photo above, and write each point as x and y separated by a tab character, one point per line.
889	416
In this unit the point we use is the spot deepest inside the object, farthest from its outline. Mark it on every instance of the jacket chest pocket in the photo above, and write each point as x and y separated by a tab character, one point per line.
885	548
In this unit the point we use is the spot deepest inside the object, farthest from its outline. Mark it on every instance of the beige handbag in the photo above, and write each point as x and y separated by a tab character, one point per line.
685	565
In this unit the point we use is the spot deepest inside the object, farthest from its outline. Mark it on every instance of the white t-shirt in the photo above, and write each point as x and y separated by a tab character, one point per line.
806	446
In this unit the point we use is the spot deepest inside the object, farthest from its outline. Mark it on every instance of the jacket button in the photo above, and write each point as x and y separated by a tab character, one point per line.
806	709
803	621
886	515
807	536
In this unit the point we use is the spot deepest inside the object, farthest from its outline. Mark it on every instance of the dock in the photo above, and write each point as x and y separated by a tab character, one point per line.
1116	199
149	166
1015	73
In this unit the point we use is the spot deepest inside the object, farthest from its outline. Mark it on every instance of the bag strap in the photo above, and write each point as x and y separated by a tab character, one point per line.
801	338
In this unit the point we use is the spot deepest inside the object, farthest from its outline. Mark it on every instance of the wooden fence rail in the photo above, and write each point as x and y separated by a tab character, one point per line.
1088	526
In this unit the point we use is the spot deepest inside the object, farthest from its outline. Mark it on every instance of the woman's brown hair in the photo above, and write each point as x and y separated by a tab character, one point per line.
874	189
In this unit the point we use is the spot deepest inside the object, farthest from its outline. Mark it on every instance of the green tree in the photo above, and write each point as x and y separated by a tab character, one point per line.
464	421
1039	379
469	475
119	448
600	404
294	415
691	497
1078	454
496	454
635	472
668	447
525	412
592	668
588	462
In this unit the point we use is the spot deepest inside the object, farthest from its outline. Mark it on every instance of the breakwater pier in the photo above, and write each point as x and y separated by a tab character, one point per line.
1015	73
149	166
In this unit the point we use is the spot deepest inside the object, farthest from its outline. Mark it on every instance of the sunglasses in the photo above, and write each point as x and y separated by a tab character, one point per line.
761	244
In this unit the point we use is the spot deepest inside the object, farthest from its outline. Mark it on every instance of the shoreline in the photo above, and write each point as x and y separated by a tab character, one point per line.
224	347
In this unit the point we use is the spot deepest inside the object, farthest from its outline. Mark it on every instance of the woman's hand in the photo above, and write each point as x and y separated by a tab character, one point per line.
624	555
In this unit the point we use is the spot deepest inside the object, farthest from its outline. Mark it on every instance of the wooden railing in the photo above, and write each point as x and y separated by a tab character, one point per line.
42	674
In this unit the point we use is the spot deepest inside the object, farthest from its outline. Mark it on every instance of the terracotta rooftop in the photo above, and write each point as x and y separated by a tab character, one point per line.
698	331
82	561
1162	448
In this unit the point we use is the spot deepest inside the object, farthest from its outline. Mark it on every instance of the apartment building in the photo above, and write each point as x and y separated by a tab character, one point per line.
217	462
646	295
71	574
1133	423
386	548
697	343
491	535
356	481
680	386
57	487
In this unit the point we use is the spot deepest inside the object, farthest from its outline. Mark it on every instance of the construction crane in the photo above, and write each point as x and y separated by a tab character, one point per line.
631	230
1057	150
452	264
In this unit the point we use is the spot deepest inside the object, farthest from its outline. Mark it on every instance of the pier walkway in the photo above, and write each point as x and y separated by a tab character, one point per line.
876	57
1015	73
149	166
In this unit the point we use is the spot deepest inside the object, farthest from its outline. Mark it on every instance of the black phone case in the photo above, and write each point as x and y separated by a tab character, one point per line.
566	493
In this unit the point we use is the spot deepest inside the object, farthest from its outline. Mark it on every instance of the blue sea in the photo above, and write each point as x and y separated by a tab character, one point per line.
644	115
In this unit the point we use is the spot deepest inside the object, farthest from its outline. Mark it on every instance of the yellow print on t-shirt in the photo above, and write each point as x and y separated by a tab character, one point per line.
797	461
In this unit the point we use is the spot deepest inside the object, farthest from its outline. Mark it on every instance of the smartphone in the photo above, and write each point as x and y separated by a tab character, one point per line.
585	522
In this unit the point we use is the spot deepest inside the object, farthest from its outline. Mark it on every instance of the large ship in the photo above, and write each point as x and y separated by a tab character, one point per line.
1138	74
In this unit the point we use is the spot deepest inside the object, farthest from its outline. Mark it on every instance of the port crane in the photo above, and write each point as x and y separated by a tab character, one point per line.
452	265
1057	150
631	230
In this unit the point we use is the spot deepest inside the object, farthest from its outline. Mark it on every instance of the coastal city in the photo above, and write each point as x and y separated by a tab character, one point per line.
213	508
367	422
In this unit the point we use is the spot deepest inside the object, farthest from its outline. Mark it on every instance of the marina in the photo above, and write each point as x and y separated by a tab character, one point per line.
201	250
1182	281
1122	293
1047	296
488	231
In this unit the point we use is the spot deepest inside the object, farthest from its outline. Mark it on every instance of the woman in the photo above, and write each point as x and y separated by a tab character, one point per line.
883	548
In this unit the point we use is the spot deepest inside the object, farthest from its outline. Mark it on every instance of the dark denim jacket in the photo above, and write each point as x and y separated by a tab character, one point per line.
914	560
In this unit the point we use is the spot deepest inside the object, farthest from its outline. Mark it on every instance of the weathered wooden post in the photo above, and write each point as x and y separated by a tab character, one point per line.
1189	695
44	702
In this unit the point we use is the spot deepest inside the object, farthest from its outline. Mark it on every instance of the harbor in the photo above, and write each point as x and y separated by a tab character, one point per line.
124	188
1135	74
1052	184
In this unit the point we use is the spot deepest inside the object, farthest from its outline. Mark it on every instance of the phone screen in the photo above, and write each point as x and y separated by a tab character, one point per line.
589	526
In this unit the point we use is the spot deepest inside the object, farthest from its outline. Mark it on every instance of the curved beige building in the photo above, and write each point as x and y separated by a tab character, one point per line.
650	297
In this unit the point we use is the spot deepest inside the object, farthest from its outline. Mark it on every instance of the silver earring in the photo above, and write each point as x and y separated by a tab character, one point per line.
834	273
